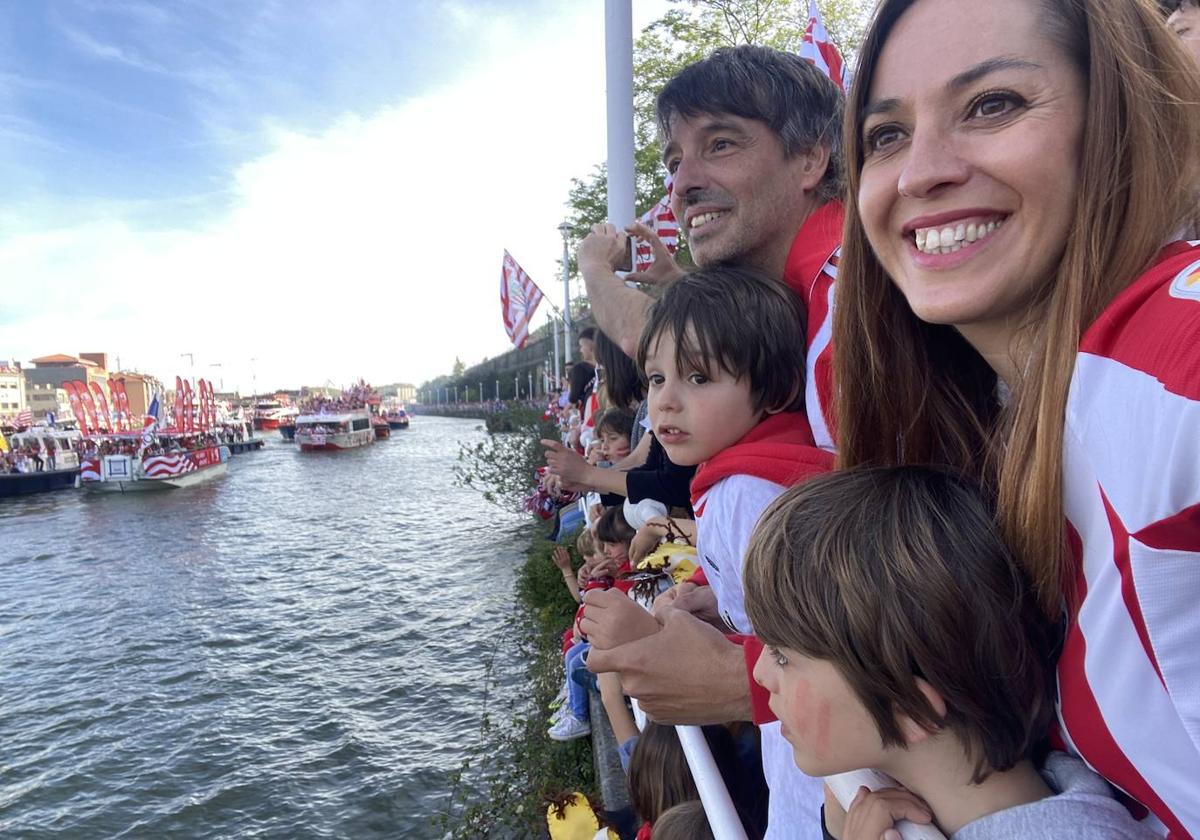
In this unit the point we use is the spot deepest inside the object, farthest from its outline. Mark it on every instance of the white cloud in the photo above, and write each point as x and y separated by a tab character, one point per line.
371	248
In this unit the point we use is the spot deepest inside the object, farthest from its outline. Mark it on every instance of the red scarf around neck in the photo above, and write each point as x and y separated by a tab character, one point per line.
780	449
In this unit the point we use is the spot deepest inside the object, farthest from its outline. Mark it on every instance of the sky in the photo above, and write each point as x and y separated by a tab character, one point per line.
279	193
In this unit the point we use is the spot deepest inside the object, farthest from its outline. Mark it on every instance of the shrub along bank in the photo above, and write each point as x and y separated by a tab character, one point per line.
502	788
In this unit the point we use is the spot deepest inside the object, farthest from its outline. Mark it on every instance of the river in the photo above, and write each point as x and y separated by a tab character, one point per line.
295	650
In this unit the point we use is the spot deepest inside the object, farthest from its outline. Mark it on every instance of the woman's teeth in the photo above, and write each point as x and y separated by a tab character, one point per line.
952	238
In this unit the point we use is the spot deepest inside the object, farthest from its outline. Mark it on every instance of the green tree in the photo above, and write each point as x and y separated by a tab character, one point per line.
458	369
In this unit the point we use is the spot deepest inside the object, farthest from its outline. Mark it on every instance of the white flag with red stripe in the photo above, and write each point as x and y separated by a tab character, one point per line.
25	417
818	49
662	221
519	298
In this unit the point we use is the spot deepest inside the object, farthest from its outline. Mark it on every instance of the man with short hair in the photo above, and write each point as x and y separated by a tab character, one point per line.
751	136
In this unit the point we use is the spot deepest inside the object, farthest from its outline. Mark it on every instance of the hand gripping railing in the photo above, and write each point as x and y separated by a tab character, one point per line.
718	806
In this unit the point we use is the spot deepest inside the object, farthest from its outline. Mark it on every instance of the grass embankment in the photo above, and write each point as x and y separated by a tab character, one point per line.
501	789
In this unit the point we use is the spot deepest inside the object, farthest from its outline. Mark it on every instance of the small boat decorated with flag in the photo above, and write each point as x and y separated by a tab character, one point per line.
185	453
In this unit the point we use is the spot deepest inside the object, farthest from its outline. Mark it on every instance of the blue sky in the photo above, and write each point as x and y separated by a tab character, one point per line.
356	167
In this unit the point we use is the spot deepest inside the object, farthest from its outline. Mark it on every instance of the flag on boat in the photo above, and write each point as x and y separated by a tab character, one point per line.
89	468
818	49
149	422
519	298
25	417
165	466
151	418
661	219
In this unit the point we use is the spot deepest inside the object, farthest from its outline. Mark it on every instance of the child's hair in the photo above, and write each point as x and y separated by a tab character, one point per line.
740	321
685	821
618	420
611	527
896	573
584	543
660	779
659	776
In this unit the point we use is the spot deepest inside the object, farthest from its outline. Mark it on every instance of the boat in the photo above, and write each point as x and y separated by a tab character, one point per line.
397	419
287	430
342	422
382	429
269	413
61	476
332	431
123	463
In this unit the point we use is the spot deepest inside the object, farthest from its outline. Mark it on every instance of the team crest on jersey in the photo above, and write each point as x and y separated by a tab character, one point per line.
1186	284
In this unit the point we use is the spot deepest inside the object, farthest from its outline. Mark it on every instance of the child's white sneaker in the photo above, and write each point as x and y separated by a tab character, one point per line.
569	728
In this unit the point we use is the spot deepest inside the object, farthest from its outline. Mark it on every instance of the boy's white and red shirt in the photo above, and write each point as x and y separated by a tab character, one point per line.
730	491
1129	675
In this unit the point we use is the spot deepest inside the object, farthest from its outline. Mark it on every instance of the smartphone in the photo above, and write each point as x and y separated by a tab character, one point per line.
630	250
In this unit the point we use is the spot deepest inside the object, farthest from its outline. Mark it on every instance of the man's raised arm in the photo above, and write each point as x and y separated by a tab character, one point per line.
619	310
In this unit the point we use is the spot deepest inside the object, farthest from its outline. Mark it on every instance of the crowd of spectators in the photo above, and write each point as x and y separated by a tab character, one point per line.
355	398
916	571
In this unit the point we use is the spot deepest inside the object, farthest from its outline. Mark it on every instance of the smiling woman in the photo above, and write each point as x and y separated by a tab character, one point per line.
1055	355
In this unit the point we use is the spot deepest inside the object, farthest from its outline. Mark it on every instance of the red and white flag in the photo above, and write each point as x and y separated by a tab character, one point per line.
661	220
819	50
519	298
25	417
165	466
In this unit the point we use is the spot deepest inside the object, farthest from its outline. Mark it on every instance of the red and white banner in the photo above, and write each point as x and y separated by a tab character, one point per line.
519	298
207	457
89	407
72	388
106	421
178	408
820	51
661	219
24	417
189	407
123	407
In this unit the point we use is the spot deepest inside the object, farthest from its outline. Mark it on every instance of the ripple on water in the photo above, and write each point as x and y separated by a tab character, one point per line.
296	651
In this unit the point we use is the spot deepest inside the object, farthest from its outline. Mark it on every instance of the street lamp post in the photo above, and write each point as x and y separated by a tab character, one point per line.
529	393
517	387
565	230
497	390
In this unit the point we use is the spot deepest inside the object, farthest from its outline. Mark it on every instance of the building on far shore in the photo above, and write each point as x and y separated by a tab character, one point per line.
12	389
59	368
44	399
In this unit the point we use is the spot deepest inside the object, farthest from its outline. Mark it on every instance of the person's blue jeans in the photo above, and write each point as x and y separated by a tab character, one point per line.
577	698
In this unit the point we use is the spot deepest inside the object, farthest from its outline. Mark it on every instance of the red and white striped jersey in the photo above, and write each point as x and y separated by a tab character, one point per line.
810	272
1129	676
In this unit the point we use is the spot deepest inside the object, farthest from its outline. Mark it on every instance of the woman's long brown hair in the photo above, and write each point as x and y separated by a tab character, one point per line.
911	392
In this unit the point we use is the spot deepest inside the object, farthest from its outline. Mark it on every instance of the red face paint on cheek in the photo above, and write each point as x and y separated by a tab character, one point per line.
800	711
824	715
